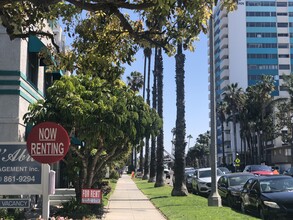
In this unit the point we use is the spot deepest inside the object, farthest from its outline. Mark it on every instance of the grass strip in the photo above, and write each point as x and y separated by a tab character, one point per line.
191	207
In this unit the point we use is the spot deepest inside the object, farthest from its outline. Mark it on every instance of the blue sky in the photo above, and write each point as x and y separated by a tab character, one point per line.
196	92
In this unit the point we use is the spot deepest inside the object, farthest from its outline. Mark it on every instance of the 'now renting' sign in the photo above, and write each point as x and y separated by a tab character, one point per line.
48	142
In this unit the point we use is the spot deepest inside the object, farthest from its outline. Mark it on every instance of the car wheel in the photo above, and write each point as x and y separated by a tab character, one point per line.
243	210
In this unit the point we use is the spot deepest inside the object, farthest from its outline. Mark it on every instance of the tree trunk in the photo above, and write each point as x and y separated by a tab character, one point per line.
143	94
223	144
152	177
234	134
160	145
179	187
147	144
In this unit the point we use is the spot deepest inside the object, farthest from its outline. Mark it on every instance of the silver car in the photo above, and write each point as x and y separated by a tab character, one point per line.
202	180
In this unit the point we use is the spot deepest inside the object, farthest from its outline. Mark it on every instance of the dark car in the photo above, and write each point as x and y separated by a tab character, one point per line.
188	178
259	169
230	186
271	197
289	172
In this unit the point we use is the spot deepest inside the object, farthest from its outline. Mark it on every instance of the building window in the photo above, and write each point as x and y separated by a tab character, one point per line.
260	45
284	67
282	34
260	3
262	56
283	55
283	45
287	152
262	67
33	62
283	24
260	14
260	24
281	4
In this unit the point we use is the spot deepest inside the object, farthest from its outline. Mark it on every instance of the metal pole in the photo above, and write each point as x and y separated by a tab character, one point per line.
214	198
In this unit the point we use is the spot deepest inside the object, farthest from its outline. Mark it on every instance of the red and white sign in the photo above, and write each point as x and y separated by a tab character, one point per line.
91	196
48	142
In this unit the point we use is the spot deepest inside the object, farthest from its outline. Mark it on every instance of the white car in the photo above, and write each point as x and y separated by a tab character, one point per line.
202	180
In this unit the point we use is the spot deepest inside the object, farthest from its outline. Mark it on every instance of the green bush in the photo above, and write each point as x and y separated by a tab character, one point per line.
12	214
73	209
114	174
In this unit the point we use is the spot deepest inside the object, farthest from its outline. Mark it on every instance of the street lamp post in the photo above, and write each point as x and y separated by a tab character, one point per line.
214	198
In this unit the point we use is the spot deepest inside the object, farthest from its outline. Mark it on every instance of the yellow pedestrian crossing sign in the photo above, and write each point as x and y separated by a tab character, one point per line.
237	162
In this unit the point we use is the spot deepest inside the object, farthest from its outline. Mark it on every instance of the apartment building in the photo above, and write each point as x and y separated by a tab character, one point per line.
254	40
24	79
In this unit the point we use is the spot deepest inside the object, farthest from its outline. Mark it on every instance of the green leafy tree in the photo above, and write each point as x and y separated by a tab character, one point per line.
135	81
197	155
23	18
109	117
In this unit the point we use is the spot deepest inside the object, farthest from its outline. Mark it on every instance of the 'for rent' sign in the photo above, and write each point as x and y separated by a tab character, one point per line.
48	142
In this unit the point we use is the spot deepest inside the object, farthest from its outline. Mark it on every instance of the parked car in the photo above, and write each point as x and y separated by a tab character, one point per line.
201	180
271	197
225	170
230	186
188	178
289	172
259	169
167	173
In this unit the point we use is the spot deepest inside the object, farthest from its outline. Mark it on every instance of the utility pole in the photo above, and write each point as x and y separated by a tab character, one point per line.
214	198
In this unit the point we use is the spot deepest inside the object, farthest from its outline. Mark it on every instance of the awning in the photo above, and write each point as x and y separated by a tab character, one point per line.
35	44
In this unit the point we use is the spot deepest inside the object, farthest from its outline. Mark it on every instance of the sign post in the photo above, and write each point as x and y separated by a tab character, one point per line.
48	142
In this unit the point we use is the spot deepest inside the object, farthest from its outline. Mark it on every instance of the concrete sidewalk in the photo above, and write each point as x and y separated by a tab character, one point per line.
129	203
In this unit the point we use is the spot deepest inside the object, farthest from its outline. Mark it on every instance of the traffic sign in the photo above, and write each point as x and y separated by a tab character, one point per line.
237	160
48	142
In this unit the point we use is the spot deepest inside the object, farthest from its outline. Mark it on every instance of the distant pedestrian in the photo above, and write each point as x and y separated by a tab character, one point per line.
132	174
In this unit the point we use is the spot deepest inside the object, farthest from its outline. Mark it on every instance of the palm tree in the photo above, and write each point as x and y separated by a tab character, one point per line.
147	53
153	141
261	105
135	81
143	95
232	97
179	188
160	145
221	110
189	137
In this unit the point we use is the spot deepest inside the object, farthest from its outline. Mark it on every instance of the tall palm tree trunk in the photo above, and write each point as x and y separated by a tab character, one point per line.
148	53
234	134
179	188
152	177
143	95
223	144
160	145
